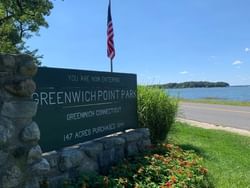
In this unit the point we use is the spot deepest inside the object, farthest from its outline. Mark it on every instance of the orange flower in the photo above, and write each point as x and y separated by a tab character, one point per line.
190	175
157	156
169	146
166	161
185	163
188	164
173	179
203	170
180	171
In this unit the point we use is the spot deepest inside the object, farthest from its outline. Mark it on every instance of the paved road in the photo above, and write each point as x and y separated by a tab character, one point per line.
224	115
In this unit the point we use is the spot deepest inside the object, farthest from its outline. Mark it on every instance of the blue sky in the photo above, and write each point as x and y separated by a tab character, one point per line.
161	41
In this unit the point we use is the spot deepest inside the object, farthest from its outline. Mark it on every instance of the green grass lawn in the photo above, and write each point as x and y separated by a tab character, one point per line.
226	155
217	101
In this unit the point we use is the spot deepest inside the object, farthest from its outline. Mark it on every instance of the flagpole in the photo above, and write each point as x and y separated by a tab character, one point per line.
111	65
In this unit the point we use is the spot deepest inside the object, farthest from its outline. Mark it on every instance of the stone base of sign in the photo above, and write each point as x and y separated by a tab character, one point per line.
94	156
21	161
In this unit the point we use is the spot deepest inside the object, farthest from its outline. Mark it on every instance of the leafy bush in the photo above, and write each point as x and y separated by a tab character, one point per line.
157	111
163	166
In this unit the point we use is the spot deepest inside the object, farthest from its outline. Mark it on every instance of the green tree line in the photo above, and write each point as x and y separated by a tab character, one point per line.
193	84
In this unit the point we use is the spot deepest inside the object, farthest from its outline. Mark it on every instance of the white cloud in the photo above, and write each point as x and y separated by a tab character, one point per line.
184	72
237	62
247	49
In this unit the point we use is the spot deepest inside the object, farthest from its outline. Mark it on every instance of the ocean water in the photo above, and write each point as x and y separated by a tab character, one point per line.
236	93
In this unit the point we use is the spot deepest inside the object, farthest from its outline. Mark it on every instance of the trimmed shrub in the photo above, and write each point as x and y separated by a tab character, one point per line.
156	111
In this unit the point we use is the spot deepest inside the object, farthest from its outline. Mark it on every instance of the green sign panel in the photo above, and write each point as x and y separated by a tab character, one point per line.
75	106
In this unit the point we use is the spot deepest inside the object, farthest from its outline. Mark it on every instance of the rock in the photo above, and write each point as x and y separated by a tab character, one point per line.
3	157
57	181
144	131
34	154
28	68
143	144
132	136
5	135
19	152
19	109
41	168
31	133
107	159
69	159
116	146
7	62
52	158
111	142
12	177
92	149
6	122
132	149
20	124
23	88
88	165
4	76
119	154
32	183
5	96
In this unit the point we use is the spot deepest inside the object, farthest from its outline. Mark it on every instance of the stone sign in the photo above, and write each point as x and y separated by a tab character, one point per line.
75	106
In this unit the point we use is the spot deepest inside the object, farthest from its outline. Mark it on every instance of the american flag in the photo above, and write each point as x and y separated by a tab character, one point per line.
110	35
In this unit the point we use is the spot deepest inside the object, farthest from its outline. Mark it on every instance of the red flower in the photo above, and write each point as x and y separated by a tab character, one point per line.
169	184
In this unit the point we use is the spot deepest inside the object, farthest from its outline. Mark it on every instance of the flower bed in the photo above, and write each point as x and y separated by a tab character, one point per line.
164	166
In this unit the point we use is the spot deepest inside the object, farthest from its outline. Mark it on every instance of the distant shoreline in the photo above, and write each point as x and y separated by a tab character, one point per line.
192	84
232	93
240	86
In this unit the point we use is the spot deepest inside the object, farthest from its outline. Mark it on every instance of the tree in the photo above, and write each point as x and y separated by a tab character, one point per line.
19	20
